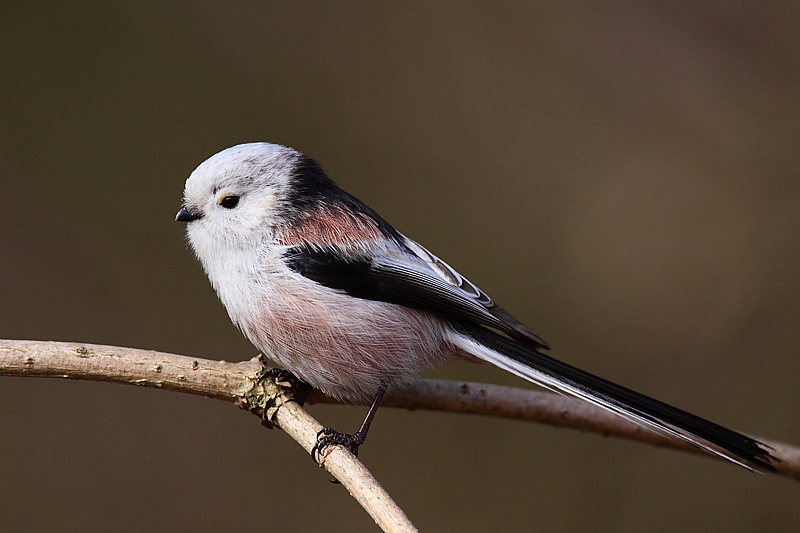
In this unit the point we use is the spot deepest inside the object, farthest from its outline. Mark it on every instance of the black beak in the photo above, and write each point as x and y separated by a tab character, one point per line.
187	215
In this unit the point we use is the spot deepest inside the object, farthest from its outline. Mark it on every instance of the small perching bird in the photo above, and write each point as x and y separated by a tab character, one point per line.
328	289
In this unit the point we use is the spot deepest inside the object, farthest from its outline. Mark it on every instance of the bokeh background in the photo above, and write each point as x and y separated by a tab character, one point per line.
623	176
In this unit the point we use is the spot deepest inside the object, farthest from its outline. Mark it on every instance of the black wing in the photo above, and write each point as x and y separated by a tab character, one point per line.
421	281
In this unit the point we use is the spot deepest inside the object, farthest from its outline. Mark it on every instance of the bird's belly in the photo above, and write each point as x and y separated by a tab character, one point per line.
345	346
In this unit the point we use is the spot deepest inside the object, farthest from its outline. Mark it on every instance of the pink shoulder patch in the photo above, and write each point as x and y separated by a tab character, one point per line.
332	227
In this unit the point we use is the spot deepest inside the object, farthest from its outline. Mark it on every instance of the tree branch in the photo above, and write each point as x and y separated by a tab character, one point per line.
234	382
547	408
240	383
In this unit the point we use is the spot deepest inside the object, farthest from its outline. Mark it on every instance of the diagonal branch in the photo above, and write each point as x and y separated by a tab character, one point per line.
234	381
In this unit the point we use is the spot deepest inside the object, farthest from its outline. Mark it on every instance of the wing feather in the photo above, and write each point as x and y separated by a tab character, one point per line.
421	281
448	274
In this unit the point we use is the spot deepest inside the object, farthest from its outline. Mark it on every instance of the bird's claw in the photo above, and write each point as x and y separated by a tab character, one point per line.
276	373
286	379
330	437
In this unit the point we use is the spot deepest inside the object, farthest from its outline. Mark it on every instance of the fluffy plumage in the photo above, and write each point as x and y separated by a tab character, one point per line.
332	292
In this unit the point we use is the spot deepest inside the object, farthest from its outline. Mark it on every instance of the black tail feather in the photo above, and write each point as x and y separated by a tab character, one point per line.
658	414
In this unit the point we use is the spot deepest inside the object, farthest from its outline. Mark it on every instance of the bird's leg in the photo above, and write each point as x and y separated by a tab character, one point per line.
330	437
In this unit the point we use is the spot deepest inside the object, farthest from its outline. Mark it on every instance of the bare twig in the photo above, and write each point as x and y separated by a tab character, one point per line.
232	381
235	382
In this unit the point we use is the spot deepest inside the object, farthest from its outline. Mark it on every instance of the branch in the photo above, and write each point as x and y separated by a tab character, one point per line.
548	408
240	383
232	381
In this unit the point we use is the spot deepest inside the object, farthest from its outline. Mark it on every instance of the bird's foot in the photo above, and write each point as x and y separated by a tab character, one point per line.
286	379
295	388
330	437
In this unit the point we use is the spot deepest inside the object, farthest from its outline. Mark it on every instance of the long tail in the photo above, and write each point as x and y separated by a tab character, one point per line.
528	363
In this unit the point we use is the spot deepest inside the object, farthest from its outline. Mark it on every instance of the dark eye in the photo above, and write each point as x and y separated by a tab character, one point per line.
229	201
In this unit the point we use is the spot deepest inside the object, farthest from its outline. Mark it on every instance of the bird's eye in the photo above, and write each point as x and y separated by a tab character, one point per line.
229	201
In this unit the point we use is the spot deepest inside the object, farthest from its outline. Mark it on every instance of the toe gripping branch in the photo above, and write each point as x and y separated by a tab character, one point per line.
273	388
329	437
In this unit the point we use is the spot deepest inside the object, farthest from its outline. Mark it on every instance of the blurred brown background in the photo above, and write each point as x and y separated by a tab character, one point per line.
621	176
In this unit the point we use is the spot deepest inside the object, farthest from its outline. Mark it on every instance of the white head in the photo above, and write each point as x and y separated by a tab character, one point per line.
237	194
244	197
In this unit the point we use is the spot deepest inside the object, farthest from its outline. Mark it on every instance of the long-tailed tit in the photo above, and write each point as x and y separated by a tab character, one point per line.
328	289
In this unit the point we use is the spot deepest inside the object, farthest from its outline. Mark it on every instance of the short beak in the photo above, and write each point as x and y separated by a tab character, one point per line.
187	215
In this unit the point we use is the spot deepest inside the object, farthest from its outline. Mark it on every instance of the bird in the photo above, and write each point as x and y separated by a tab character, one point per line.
334	294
